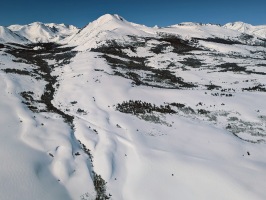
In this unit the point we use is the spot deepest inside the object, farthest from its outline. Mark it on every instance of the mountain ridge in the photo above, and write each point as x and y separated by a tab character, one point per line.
51	32
259	30
43	32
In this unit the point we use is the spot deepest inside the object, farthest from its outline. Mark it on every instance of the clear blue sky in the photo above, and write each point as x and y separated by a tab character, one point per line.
156	12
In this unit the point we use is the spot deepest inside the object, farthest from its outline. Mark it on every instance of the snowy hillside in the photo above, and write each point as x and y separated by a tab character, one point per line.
107	27
259	31
123	111
40	32
7	35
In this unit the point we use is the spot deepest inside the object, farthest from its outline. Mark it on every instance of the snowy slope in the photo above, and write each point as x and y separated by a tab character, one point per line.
193	159
106	27
124	111
113	27
189	30
259	31
7	35
40	32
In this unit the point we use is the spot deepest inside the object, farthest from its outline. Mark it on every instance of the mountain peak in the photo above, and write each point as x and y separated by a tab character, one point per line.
237	25
36	24
259	31
104	28
41	32
189	24
109	17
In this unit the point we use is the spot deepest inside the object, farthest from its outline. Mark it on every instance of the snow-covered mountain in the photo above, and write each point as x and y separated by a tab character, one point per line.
114	25
123	111
259	31
107	27
7	35
40	32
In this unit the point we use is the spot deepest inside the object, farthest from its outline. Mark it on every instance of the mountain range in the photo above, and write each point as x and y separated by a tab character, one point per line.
51	32
118	110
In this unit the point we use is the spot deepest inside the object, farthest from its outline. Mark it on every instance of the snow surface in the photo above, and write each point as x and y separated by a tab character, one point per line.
7	35
25	170
40	32
259	31
177	156
107	27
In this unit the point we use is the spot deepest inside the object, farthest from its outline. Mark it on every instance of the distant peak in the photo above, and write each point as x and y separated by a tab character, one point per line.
104	19
36	24
196	24
238	23
189	24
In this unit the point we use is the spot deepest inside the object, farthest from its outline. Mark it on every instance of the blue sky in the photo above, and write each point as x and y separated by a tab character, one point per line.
156	12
